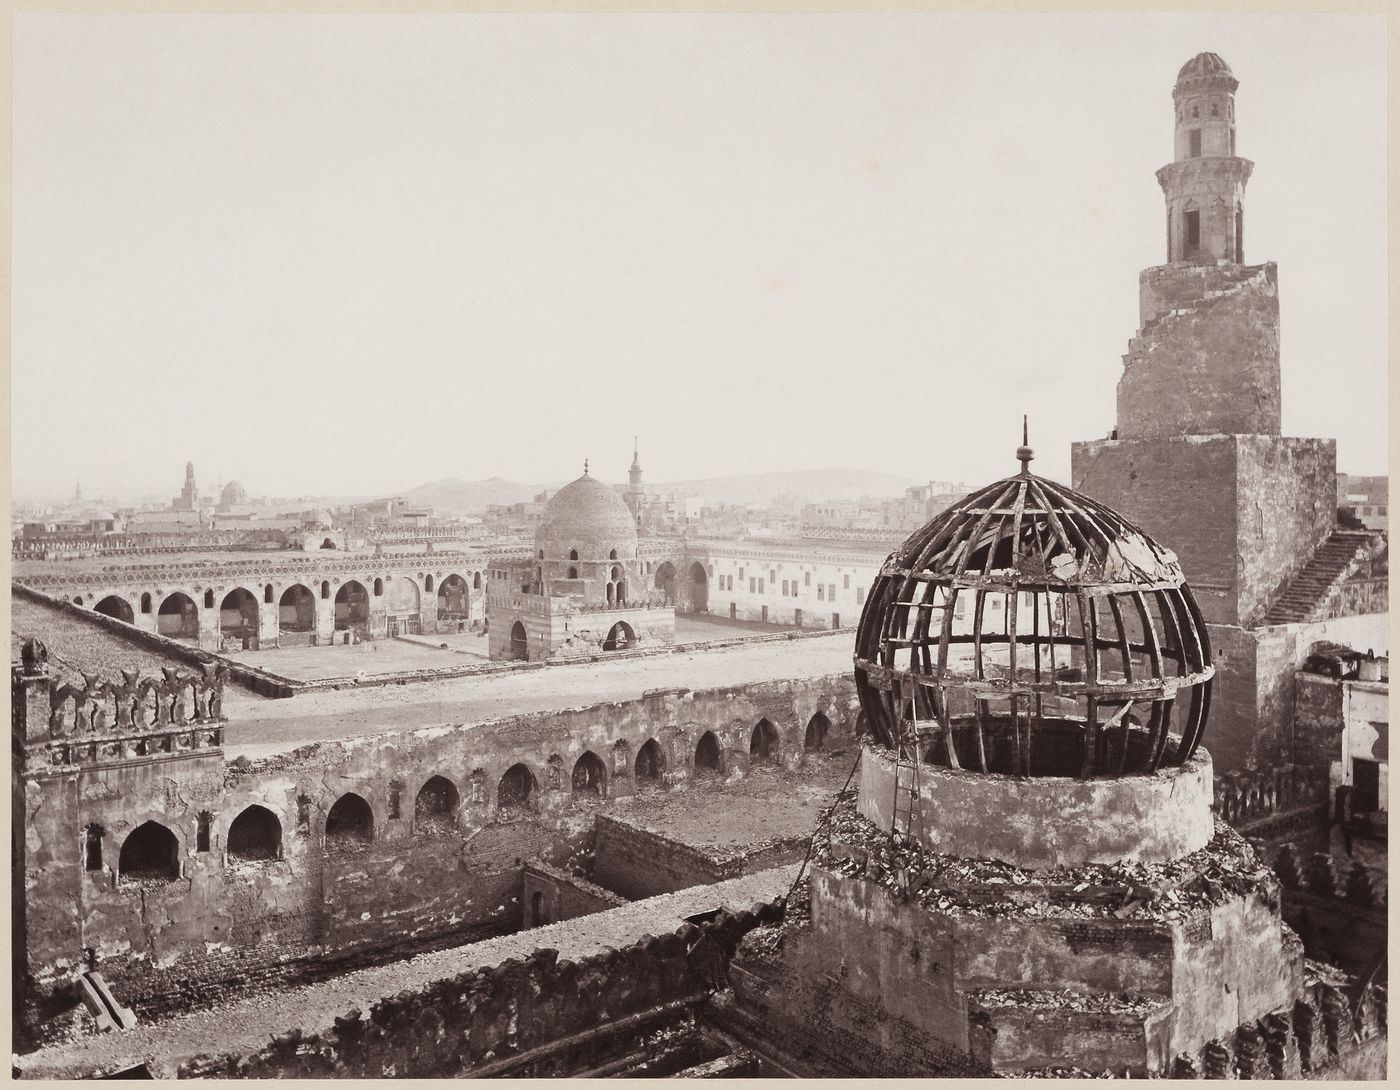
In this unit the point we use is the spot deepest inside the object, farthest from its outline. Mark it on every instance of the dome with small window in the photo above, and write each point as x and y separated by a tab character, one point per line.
587	518
1031	631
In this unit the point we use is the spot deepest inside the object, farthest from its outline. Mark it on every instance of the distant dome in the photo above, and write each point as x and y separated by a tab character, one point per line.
1204	66
233	494
972	645
588	516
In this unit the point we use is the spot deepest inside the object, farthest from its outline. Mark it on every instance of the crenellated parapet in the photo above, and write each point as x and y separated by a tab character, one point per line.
96	721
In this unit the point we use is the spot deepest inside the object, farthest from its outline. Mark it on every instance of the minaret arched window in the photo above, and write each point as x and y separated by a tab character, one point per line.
1193	230
1195	137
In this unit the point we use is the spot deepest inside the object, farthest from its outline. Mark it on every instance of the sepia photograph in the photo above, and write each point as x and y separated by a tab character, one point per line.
656	544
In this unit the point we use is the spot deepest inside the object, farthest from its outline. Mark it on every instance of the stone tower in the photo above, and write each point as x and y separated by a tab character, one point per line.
188	500
633	497
1197	458
1176	381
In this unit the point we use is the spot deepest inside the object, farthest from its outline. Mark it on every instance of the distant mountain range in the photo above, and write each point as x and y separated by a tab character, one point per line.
452	495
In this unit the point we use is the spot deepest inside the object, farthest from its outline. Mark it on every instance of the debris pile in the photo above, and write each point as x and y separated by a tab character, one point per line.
1145	892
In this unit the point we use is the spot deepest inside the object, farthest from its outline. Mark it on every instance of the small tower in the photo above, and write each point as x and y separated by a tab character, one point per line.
633	497
1204	184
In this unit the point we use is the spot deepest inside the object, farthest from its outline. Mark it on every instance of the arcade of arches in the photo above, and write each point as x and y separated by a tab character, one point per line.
301	612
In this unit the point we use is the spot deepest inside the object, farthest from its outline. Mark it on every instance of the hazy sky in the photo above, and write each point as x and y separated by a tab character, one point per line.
353	253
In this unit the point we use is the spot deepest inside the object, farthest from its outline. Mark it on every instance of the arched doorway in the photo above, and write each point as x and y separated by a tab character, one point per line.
699	588
238	614
590	776
255	834
352	607
115	606
665	580
178	617
350	824
537	916
435	807
620	637
454	600
763	744
707	753
150	853
817	727
296	610
519	645
515	794
651	764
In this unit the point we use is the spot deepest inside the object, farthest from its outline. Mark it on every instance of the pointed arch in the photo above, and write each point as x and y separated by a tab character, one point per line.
764	743
350	823
150	854
435	806
708	754
116	606
650	767
590	776
255	834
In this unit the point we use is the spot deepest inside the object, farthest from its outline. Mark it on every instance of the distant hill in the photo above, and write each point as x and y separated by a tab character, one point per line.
810	485
454	496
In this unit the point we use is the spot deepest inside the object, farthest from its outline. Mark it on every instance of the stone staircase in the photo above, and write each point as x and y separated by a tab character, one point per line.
1308	591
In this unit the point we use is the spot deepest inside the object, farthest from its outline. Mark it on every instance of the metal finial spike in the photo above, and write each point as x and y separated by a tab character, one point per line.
1024	454
585	467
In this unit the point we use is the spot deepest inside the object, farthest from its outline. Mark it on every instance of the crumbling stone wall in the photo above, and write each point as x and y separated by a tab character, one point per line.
505	1018
456	877
553	894
1206	359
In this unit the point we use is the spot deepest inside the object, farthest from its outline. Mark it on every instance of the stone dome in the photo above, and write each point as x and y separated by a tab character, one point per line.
233	494
586	515
1204	66
1031	631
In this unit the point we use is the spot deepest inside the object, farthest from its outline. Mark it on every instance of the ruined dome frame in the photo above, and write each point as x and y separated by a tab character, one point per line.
1099	664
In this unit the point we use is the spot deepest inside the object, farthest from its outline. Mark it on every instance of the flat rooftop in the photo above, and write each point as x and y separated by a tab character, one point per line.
275	726
766	805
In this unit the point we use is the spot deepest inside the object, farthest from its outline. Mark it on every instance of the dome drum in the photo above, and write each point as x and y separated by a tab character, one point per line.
1030	631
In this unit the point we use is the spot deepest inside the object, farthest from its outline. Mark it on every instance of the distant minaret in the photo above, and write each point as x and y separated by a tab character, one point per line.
78	493
189	495
633	497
